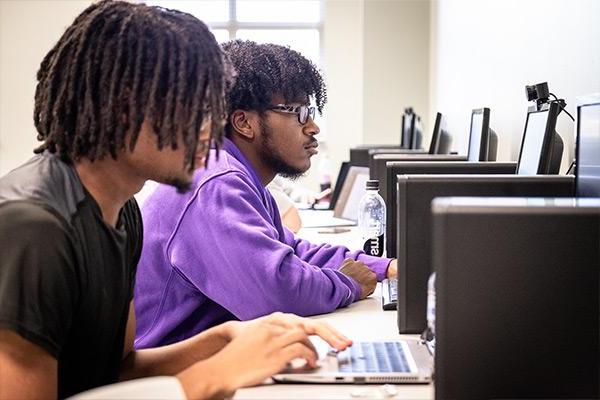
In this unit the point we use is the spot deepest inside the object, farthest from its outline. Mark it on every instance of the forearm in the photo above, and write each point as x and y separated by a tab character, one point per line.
174	358
328	256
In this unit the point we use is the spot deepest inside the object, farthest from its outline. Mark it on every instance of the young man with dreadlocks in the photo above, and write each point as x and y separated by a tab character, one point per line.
126	95
248	264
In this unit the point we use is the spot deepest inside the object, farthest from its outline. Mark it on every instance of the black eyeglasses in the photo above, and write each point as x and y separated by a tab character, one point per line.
303	111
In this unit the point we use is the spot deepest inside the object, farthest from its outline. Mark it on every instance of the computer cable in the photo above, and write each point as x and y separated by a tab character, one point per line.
561	104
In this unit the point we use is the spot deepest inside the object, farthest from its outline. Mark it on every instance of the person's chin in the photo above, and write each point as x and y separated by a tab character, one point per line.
306	166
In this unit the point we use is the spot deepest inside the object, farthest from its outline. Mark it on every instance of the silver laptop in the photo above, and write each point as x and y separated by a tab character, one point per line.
400	361
345	212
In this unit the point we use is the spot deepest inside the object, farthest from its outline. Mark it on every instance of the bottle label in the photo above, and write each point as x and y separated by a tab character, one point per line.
374	246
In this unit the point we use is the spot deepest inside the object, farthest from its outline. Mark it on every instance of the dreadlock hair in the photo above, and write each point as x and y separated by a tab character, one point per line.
120	63
263	70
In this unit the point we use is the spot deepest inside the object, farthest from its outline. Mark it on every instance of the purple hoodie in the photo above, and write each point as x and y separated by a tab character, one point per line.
219	252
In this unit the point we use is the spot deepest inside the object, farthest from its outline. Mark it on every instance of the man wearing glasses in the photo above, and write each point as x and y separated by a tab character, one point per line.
248	264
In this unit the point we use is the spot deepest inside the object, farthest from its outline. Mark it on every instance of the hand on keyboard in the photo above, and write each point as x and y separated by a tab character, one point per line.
358	271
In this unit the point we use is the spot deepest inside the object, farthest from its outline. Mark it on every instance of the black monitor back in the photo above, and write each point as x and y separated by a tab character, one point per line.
413	224
360	156
392	169
436	134
406	129
417	134
516	310
588	147
378	161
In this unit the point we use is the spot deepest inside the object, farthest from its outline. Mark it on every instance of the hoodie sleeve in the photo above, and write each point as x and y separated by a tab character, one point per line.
328	256
227	246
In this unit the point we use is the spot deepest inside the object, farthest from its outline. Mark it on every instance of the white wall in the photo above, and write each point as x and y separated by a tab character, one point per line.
370	80
28	30
343	69
396	67
486	51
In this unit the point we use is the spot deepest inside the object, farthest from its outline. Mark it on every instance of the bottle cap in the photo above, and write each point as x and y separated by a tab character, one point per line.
373	184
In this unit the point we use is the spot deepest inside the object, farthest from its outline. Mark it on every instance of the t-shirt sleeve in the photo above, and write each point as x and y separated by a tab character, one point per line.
135	231
38	282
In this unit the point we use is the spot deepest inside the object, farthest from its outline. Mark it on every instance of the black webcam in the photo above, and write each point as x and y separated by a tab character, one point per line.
541	95
538	93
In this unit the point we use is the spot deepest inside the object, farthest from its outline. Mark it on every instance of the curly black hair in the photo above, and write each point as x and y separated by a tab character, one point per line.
120	63
264	70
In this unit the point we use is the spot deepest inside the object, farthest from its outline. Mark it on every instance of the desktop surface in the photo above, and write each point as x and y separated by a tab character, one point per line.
364	320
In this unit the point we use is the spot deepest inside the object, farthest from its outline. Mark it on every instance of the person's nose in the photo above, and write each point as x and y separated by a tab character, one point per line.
311	128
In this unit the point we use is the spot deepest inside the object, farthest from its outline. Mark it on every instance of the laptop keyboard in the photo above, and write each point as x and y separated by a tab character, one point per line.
373	357
389	294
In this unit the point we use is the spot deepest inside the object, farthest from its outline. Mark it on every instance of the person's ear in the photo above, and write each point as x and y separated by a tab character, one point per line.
244	123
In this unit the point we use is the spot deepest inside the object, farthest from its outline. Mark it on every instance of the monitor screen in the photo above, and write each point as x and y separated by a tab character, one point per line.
475	138
588	149
479	135
533	142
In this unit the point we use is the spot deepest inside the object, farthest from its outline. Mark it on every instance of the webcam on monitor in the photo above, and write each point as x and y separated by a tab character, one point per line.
538	93
545	154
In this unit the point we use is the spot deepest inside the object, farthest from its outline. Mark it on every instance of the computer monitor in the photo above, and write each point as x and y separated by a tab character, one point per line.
388	190
407	128
414	233
541	147
445	142
434	145
516	298
378	162
361	155
339	182
587	167
483	141
417	134
395	168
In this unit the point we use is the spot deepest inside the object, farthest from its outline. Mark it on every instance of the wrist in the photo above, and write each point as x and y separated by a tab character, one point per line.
392	269
203	381
227	330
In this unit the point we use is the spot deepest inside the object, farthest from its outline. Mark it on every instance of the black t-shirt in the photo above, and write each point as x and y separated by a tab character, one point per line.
66	277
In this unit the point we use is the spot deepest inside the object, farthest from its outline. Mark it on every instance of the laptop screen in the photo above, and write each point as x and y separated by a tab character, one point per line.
588	158
533	141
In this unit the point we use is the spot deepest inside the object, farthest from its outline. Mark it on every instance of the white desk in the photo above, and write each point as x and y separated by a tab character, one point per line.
363	320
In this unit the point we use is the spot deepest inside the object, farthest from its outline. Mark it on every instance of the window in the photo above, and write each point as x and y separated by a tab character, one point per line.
294	23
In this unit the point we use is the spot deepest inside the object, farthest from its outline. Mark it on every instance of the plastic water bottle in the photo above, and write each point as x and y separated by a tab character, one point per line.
371	220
